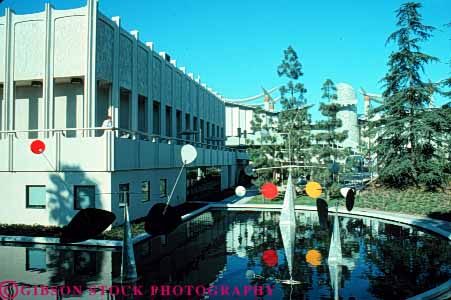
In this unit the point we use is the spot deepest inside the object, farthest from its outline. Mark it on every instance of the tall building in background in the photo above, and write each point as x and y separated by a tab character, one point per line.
346	96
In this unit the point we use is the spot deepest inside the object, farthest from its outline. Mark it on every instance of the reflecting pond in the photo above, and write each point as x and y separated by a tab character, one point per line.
240	255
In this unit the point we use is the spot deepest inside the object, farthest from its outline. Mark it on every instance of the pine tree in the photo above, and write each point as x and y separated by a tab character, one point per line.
328	140
403	145
294	119
290	132
264	151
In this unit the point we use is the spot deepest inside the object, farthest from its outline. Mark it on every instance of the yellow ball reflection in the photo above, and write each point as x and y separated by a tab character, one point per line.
313	257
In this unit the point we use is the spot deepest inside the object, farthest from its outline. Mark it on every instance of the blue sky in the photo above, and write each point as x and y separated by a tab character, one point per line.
236	45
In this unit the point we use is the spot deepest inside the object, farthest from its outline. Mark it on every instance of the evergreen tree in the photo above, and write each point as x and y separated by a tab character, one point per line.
264	151
328	140
291	131
405	144
294	119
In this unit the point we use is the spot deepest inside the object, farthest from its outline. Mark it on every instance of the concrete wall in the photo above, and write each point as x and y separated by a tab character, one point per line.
138	208
42	47
68	106
128	63
59	195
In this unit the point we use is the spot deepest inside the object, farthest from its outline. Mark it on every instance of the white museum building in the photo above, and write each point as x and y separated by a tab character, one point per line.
113	115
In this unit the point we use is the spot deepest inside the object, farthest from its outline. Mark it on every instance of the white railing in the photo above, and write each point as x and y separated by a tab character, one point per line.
119	133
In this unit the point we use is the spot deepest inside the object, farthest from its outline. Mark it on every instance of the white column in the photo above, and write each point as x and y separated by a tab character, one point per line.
89	101
8	87
115	86
134	94
49	121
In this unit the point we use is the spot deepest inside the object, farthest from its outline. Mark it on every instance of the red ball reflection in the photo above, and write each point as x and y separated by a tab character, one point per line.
270	258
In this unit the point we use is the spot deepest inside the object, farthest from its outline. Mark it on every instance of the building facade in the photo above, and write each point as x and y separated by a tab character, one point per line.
113	115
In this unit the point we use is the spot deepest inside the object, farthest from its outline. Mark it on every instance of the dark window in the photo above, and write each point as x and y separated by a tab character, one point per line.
163	188
195	128
156	118
35	260
202	131
145	190
36	196
208	133
84	196
187	122
178	123
85	263
124	194
142	113
168	121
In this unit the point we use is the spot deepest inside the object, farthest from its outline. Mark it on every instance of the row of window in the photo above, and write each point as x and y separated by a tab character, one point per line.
209	132
85	195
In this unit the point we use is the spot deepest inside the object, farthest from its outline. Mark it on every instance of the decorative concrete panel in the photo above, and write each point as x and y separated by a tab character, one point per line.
4	146
167	85
126	154
70	46
185	94
156	78
104	50
147	158
29	49
177	91
165	156
125	62
79	152
2	52
194	90
194	102
143	73
25	160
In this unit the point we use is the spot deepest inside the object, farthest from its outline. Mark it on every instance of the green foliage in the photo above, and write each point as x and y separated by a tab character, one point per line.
408	134
328	140
294	119
292	131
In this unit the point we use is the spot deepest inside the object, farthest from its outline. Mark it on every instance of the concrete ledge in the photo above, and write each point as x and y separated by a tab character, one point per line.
441	292
54	241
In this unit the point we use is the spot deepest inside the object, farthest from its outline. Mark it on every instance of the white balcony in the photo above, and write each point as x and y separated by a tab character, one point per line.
102	150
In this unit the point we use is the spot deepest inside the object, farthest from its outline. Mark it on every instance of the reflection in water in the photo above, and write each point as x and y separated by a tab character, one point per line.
384	260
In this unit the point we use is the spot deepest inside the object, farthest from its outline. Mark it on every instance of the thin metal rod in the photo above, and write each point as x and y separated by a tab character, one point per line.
173	188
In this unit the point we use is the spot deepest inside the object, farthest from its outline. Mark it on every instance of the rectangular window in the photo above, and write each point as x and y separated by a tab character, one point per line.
36	196
202	131
208	133
124	194
195	128
163	240
145	191
187	122
163	188
85	262
168	121
142	113
178	123
84	196
35	260
156	118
